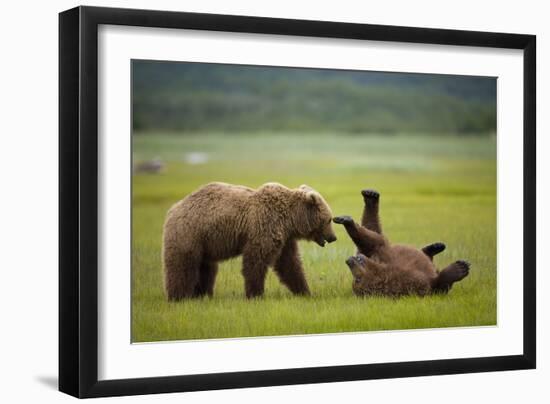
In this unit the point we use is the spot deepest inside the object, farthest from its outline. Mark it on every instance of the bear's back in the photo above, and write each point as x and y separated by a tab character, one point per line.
213	204
217	196
213	216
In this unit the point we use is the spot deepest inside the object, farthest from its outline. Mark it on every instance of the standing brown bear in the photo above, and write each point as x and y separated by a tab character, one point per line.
220	221
382	268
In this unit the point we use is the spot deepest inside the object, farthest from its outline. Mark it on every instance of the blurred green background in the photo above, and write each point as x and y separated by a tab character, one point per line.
186	97
426	142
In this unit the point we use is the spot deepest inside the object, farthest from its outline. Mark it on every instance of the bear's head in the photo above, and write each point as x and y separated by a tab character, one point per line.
316	220
366	280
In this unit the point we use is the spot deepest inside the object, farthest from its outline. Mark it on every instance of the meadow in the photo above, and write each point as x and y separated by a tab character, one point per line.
433	188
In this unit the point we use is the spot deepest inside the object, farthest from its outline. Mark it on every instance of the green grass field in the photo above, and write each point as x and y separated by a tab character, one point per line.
432	189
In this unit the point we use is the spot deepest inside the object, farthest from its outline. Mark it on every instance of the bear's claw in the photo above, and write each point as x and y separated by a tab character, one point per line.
343	220
464	265
370	194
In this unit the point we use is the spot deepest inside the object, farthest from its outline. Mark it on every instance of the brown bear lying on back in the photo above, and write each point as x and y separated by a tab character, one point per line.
382	268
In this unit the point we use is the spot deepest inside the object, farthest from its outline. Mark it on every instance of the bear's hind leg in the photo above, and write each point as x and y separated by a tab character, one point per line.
181	274
207	278
289	269
453	273
433	249
371	217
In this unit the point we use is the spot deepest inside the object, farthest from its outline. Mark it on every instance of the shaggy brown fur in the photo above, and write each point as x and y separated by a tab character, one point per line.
221	221
382	268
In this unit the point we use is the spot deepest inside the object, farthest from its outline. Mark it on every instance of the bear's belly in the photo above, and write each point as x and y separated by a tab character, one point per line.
219	246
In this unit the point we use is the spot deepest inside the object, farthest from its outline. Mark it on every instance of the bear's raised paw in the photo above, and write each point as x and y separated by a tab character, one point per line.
463	266
456	271
343	220
370	194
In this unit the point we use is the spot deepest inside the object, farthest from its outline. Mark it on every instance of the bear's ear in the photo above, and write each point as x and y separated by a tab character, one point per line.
305	187
312	197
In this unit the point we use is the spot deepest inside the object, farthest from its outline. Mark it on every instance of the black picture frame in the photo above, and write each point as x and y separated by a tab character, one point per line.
78	200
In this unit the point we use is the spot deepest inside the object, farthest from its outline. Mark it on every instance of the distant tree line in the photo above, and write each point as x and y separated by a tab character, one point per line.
170	96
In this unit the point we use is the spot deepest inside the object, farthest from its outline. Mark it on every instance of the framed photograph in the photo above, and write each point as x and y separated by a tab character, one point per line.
250	201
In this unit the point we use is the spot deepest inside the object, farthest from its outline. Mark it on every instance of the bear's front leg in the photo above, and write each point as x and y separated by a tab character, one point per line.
288	268
255	263
367	241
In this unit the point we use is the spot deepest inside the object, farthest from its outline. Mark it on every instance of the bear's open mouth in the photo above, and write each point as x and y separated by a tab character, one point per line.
322	240
319	239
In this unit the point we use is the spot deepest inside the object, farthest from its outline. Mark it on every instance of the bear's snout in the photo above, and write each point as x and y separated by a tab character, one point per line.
330	239
356	260
350	261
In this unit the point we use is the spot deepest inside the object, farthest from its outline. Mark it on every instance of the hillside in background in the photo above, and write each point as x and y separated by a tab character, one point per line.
191	97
